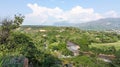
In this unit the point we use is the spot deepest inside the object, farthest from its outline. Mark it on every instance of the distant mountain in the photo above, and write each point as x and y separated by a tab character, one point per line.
63	23
102	24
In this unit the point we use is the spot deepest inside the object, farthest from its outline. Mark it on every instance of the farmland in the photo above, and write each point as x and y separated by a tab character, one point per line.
103	45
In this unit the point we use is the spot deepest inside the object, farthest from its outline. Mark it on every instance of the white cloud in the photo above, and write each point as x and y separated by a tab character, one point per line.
78	14
41	15
111	14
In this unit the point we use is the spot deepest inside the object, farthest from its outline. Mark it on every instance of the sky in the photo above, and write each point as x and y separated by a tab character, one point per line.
48	12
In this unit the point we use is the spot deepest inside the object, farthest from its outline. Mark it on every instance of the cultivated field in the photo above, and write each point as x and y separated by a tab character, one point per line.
104	45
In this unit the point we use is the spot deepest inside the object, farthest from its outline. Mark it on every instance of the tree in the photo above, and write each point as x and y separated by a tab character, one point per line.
7	25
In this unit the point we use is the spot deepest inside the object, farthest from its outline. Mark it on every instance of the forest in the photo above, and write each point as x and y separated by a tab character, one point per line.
48	46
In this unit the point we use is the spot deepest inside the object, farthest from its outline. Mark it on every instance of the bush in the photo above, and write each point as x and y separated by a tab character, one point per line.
85	61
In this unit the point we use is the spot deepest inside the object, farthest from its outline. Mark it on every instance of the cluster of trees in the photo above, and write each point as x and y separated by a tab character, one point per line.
16	43
7	25
104	50
104	37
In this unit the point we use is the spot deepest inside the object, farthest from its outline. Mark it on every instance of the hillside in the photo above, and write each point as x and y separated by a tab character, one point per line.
49	46
102	24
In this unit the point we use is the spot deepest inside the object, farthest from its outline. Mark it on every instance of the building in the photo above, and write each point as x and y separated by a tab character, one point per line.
73	47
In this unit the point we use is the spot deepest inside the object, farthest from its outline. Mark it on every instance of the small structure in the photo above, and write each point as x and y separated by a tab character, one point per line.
106	58
42	30
28	29
73	47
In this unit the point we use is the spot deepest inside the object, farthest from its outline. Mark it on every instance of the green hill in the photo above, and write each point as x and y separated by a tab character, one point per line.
46	46
102	24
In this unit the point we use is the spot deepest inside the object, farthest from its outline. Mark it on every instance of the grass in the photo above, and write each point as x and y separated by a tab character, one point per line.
101	45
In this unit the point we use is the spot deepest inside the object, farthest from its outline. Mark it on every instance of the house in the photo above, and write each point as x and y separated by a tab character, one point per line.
73	47
106	58
42	30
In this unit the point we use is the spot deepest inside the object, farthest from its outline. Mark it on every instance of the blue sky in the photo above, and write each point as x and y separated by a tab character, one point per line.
79	10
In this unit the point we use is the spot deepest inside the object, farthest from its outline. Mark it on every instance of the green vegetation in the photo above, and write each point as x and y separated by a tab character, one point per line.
46	46
105	45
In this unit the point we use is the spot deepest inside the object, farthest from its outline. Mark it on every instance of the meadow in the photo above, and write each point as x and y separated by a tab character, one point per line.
104	45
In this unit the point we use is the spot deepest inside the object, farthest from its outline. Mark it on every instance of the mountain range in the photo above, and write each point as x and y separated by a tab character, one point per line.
101	24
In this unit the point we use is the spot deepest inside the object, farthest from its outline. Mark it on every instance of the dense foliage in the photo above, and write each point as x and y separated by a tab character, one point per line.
46	46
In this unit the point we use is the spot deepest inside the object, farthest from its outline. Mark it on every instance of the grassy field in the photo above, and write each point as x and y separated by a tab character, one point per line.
103	45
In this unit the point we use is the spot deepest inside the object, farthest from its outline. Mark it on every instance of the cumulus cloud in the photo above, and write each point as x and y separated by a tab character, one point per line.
78	14
43	14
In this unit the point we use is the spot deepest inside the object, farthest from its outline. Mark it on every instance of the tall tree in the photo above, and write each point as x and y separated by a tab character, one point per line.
7	25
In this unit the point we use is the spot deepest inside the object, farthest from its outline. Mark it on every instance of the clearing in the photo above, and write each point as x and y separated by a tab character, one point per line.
101	45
